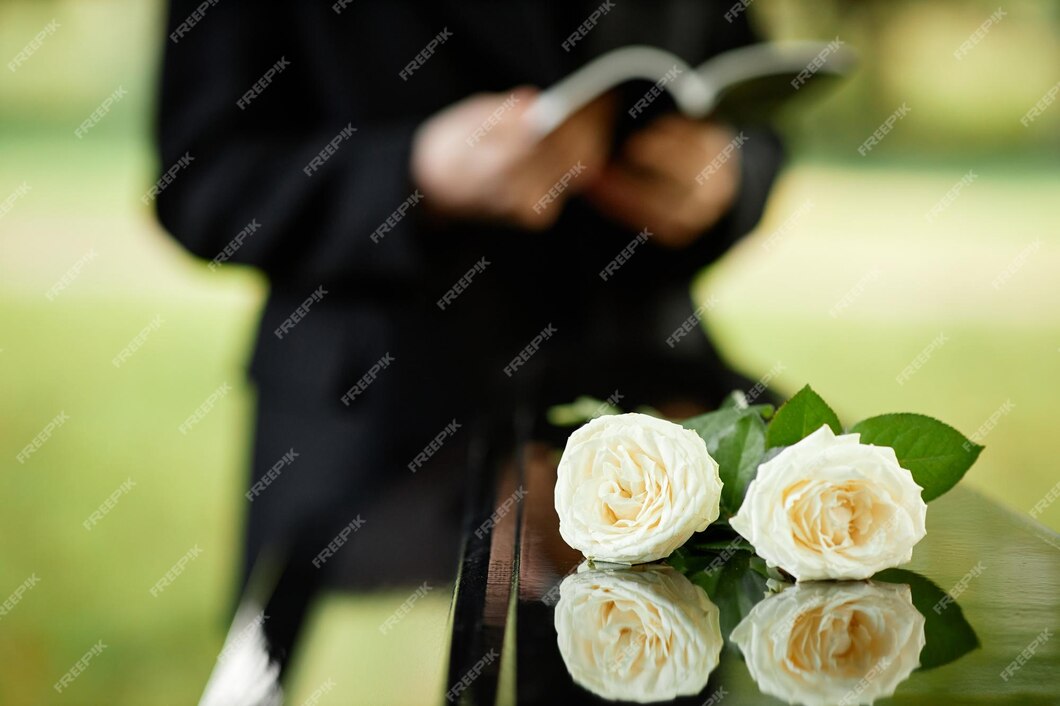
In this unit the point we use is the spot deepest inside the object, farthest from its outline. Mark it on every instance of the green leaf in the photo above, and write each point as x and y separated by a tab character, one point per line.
799	417
936	454
738	544
946	631
713	424
736	440
735	589
580	411
689	561
738	453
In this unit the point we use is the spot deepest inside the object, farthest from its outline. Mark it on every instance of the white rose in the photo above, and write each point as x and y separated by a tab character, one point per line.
829	507
828	643
632	488
643	634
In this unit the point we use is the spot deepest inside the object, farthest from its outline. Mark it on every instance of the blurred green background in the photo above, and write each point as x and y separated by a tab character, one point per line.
841	231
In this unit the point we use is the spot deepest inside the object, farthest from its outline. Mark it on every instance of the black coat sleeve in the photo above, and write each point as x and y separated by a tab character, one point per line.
250	163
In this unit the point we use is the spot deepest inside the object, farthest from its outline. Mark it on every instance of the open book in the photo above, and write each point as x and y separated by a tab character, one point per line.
744	83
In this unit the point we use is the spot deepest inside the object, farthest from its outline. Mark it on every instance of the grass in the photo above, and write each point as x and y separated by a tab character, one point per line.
854	290
55	356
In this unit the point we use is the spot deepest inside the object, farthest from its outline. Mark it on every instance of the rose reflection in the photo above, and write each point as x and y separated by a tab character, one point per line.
639	634
828	643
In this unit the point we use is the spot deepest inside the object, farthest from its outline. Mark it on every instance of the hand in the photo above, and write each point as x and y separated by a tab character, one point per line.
663	180
478	159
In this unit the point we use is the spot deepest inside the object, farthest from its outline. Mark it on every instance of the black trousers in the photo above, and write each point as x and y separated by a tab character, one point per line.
355	466
330	508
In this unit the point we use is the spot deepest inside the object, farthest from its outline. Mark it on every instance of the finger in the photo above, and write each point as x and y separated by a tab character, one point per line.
562	168
635	202
562	164
588	130
711	136
667	155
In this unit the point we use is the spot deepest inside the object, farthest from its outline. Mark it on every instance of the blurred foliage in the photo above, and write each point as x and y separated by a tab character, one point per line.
968	107
868	213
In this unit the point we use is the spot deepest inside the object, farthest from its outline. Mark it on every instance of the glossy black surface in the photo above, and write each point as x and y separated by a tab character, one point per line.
1002	570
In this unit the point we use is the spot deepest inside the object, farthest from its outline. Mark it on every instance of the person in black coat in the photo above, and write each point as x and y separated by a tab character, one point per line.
431	269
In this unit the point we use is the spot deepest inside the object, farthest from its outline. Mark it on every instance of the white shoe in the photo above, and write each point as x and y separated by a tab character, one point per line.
244	674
